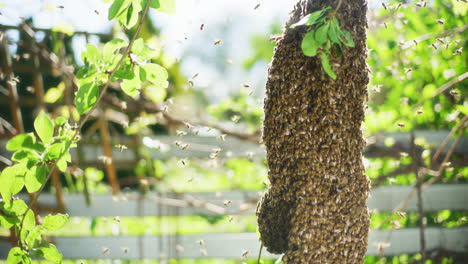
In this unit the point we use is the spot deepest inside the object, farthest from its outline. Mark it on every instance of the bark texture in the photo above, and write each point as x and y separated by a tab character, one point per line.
315	209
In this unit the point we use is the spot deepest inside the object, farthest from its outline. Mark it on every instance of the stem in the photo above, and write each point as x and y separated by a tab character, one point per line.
86	117
260	253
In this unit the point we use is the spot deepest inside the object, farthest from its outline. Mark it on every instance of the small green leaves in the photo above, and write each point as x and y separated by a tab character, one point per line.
348	39
109	51
21	141
165	6
321	34
17	255
155	74
117	8
51	253
44	127
12	180
86	97
309	45
326	66
327	32
55	222
311	19
35	177
127	11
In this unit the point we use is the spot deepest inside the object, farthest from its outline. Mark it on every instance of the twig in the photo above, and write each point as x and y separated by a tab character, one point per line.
446	140
86	117
260	251
443	88
437	35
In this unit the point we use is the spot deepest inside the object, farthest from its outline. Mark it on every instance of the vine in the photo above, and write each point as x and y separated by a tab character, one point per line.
37	155
327	33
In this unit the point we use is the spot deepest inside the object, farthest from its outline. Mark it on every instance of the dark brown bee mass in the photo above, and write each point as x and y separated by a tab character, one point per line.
315	209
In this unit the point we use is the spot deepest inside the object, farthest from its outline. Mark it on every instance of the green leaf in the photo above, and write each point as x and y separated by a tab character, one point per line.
138	46
155	94
55	222
44	127
110	48
35	177
24	155
117	8
348	39
7	222
62	163
17	207
54	151
334	31
154	4
309	45
326	66
86	97
131	87
55	93
34	236
311	19
16	255
143	51
12	180
124	73
165	6
91	55
21	141
131	18
321	34
28	224
156	74
51	253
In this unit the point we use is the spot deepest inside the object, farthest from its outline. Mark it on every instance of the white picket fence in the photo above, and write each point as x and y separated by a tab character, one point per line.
239	245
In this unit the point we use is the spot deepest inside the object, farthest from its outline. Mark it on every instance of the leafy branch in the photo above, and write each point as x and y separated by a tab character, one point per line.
326	34
38	158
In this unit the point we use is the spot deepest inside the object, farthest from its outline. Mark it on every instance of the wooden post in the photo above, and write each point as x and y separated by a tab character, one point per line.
107	149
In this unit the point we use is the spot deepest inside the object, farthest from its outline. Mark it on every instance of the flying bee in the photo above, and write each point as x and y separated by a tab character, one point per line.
105	251
222	137
181	133
227	202
121	147
246	252
440	21
202	26
235	118
217	42
185	146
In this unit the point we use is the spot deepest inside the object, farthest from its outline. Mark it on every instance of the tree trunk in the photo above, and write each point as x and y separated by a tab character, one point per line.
315	209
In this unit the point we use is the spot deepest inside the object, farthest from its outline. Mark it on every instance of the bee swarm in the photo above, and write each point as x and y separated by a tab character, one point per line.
315	209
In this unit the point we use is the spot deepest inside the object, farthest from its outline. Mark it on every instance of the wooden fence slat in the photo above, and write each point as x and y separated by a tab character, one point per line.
383	199
232	246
